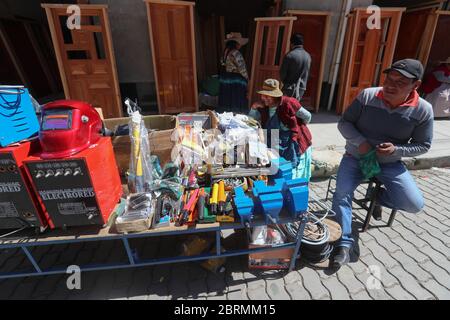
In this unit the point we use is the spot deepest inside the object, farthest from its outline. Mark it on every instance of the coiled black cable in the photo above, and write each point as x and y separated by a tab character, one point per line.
315	246
11	105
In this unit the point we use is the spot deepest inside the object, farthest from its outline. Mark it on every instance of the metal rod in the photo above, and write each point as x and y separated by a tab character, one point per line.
128	249
301	230
218	251
33	262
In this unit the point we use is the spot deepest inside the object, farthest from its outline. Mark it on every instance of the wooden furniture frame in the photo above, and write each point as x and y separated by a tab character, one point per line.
366	53
311	98
91	78
269	50
175	75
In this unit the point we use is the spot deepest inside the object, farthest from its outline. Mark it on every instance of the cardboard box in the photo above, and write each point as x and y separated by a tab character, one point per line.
160	131
214	121
274	259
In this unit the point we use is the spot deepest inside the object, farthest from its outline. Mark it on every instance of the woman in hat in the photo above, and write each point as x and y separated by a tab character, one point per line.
234	76
285	114
437	89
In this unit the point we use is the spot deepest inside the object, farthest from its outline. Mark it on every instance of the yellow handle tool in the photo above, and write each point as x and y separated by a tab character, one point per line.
213	199
222	197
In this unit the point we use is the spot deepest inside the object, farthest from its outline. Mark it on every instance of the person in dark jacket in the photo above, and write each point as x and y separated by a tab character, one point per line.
294	70
285	114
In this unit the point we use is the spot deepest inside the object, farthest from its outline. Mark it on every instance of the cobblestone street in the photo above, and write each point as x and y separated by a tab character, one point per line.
408	261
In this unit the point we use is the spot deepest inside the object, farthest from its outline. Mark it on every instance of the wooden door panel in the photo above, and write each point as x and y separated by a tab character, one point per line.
411	33
172	37
439	48
85	57
367	52
271	44
314	26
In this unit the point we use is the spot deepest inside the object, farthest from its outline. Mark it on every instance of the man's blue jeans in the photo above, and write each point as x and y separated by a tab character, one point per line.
400	192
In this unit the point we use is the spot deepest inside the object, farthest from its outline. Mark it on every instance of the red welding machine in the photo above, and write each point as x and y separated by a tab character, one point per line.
18	203
76	176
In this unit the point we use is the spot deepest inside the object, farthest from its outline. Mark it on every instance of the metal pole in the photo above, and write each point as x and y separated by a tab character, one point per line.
339	54
30	257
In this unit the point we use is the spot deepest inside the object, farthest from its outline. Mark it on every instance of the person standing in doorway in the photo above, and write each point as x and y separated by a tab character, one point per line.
234	77
294	70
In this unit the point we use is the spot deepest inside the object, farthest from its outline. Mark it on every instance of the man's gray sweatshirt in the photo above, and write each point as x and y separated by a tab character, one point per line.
409	126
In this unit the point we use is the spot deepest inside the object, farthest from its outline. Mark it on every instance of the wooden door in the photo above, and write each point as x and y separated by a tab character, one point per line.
315	26
367	53
272	40
172	38
411	33
85	57
435	45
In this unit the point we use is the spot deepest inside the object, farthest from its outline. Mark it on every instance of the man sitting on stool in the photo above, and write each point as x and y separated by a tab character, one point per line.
397	123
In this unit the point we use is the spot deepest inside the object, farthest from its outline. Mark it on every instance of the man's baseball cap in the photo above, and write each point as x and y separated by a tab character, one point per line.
410	68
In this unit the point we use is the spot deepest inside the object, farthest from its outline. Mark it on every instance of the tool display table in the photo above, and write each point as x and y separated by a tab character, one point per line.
87	234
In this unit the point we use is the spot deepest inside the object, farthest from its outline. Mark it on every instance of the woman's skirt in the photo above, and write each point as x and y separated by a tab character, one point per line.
233	93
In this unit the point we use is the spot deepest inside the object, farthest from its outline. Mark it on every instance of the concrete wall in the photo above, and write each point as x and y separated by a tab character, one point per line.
333	6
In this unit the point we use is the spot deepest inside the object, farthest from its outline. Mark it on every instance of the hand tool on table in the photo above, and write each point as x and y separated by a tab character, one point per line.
214	198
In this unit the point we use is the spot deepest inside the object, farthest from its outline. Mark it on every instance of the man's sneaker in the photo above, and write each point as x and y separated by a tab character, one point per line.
342	257
377	212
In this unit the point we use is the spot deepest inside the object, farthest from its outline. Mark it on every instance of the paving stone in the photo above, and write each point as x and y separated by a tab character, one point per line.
381	254
362	295
412	267
411	251
437	290
295	287
159	291
123	278
348	279
8	286
387	279
198	288
256	290
439	274
414	240
337	290
398	293
312	283
276	289
410	284
46	285
384	241
23	290
436	244
436	257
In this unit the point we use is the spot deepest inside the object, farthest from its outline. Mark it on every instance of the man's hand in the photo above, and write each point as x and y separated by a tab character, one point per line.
385	148
364	148
257	105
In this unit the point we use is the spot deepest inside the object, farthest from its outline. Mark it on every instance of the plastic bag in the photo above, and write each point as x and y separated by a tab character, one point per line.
140	170
139	206
259	235
369	165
